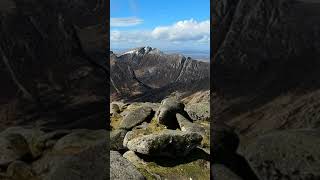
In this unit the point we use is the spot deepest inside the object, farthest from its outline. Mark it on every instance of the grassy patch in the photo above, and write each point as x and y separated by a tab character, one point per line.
197	170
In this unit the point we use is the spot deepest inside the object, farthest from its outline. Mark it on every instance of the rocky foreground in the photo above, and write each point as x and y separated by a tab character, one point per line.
32	154
159	141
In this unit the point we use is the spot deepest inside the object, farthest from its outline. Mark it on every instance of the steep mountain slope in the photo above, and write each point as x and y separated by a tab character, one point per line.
267	50
51	77
265	75
148	74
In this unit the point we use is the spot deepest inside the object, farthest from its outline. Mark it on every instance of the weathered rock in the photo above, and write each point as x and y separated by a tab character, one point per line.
168	143
18	170
167	112
79	155
220	172
133	158
289	154
136	117
116	139
199	111
122	169
12	147
193	166
203	130
186	125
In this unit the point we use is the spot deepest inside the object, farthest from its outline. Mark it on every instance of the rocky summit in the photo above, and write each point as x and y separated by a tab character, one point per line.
265	71
156	149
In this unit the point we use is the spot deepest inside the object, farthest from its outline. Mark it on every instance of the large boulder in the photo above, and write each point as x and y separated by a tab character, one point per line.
136	117
167	143
201	128
289	154
81	154
167	112
122	169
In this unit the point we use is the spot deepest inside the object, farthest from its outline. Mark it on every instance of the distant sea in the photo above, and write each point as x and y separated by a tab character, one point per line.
201	55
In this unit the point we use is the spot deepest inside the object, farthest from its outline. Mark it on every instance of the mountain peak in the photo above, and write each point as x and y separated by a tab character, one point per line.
143	51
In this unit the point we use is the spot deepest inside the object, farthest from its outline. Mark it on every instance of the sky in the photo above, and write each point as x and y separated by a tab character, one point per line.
163	24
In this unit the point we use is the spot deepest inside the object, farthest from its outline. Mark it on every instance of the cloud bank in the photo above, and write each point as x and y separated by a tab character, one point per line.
187	31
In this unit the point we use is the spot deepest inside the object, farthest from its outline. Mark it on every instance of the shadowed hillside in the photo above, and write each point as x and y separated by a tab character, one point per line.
265	76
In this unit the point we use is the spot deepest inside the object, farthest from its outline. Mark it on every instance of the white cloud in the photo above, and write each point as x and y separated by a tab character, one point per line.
124	22
188	30
184	33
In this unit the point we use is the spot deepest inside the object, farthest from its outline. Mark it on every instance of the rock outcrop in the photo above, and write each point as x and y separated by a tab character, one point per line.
59	154
157	149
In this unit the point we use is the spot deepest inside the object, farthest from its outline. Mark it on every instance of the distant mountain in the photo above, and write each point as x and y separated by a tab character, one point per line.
149	74
201	55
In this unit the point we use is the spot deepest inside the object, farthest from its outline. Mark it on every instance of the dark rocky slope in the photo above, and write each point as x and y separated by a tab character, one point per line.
265	75
147	74
50	74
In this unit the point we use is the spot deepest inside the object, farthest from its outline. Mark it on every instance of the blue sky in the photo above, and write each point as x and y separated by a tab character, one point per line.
164	24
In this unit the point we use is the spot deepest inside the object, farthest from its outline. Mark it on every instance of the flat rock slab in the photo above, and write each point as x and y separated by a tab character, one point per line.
169	143
136	117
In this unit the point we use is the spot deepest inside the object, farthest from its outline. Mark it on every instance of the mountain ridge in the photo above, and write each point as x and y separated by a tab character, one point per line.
156	70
